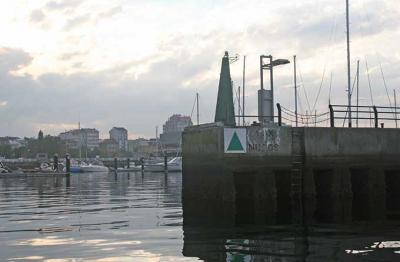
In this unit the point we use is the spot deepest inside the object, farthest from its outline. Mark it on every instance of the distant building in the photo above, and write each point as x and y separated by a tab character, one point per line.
171	138
143	147
81	138
109	147
135	144
120	135
42	156
13	142
176	123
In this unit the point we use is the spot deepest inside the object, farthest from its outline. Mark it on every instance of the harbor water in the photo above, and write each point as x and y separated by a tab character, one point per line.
140	217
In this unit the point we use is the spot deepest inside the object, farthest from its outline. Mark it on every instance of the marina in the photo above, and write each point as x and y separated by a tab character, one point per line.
294	154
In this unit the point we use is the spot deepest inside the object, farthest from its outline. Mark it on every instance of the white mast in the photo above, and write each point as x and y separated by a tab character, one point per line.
348	61
197	104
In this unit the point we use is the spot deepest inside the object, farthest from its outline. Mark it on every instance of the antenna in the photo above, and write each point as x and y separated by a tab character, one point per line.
233	59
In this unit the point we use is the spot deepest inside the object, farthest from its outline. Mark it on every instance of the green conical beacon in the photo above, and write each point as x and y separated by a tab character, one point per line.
225	111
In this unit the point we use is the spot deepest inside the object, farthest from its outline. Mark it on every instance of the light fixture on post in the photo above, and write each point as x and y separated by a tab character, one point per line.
266	97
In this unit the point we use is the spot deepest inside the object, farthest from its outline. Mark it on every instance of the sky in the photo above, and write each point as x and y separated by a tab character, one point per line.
134	63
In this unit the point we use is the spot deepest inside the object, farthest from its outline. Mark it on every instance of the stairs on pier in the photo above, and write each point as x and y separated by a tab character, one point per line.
297	165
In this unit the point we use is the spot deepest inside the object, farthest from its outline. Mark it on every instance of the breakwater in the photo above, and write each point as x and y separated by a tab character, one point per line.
258	173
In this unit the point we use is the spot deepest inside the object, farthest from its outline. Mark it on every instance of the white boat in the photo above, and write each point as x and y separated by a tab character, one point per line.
174	165
75	166
49	167
128	169
96	166
3	168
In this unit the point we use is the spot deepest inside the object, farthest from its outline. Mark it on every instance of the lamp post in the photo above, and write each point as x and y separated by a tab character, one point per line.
262	93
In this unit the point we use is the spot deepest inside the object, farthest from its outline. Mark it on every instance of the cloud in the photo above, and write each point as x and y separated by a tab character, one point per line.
37	16
110	13
72	55
66	99
77	21
55	127
63	4
3	103
109	77
13	59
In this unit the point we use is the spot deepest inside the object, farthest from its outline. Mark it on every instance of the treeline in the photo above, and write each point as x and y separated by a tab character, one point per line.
50	145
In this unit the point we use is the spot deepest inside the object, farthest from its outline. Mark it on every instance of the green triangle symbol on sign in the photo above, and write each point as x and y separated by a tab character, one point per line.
235	144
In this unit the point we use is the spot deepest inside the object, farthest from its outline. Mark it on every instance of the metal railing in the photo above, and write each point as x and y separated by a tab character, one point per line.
308	119
371	115
375	114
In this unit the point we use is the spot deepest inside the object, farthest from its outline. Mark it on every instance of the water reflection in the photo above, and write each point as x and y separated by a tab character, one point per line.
140	217
353	223
93	217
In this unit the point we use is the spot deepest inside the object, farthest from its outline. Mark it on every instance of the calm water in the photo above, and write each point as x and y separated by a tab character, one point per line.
135	217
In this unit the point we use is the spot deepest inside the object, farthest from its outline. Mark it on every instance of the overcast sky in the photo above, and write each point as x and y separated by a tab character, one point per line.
133	63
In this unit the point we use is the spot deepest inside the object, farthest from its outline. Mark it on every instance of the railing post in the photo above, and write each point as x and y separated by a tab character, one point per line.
55	162
332	115
67	164
279	114
165	163
375	116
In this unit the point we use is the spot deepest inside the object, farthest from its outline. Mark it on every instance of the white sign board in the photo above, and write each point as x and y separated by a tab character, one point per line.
235	140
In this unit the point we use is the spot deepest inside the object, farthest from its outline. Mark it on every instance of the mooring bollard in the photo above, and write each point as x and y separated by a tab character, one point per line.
332	115
55	162
165	164
67	164
128	163
115	164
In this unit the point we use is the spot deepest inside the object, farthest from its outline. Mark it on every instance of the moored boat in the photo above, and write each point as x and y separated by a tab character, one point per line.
174	165
96	166
3	168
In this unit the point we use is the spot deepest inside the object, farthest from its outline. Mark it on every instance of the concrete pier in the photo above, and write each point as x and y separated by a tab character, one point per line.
334	174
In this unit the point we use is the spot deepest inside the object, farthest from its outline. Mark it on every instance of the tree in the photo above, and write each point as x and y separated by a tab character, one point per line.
6	151
40	135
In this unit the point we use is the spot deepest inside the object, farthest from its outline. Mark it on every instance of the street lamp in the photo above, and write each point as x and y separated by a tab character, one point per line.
267	95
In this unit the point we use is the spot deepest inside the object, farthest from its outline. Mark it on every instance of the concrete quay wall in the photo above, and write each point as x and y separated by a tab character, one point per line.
357	146
272	146
342	174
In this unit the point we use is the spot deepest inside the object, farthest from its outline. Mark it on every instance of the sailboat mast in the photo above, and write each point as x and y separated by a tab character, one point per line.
348	62
295	90
243	86
197	104
358	87
157	144
239	105
395	106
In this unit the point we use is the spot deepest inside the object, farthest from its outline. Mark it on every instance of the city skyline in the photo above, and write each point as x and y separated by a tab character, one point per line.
133	64
103	135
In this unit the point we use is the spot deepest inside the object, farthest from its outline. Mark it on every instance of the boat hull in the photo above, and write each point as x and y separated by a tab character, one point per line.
93	168
161	168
